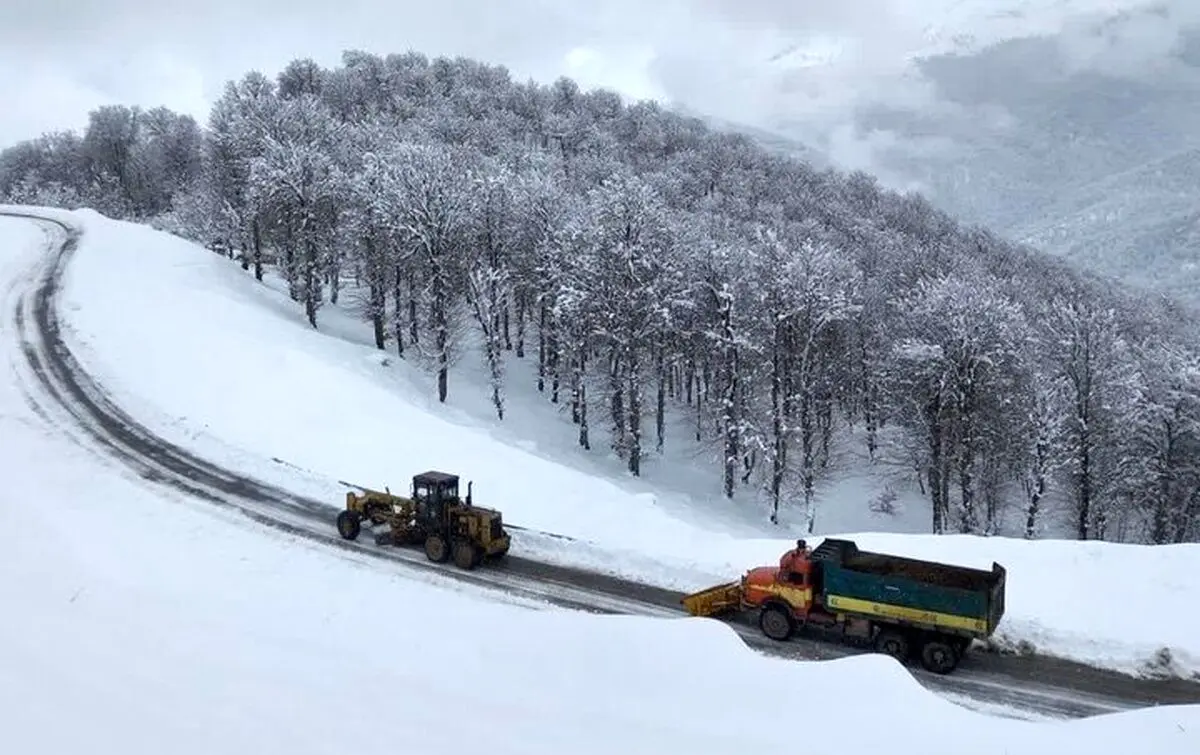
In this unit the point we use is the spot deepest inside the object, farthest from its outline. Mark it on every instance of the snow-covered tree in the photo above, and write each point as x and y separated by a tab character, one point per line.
298	179
432	191
631	291
1091	355
624	249
954	367
491	232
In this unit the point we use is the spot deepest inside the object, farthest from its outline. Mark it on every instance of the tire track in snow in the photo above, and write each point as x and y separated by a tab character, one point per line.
1047	687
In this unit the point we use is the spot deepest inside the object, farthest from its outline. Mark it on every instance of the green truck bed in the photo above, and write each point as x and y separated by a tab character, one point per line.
941	597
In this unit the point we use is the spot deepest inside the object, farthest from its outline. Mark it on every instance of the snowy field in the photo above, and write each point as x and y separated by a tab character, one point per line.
198	350
152	625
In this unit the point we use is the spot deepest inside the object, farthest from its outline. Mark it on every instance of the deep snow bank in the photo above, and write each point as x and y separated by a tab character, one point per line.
150	624
199	351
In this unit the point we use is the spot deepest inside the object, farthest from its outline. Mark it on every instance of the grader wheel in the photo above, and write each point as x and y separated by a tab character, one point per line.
349	524
436	549
466	555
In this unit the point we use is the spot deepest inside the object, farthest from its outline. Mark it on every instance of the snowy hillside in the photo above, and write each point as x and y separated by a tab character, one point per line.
194	348
158	625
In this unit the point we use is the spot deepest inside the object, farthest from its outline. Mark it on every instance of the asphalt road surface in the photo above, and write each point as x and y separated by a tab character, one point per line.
63	394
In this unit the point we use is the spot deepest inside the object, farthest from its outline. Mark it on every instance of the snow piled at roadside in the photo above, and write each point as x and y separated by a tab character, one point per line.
195	349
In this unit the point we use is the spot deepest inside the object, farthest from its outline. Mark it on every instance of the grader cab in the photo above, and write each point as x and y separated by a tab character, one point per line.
435	515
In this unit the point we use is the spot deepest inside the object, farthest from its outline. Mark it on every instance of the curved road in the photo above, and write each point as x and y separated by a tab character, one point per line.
1025	687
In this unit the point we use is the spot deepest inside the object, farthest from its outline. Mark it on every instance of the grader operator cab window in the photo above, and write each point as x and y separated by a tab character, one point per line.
432	491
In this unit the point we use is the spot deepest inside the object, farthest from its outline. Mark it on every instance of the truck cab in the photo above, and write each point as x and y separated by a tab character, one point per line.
792	588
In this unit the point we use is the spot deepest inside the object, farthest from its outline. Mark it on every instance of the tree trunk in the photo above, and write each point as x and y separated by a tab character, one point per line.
825	428
554	357
660	402
616	404
521	325
335	279
508	344
869	399
634	404
1160	522
541	371
398	313
377	294
729	401
968	517
497	377
576	384
808	455
256	236
441	328
778	435
312	288
1037	487
413	323
937	486
689	379
1084	484
583	406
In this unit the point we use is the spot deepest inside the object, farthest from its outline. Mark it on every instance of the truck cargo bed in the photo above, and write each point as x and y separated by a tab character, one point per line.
928	594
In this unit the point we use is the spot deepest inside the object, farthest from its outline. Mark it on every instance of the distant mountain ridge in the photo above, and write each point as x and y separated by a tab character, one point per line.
1096	163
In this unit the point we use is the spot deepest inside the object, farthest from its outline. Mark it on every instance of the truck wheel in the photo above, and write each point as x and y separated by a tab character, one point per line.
348	524
939	656
776	623
466	555
436	549
892	643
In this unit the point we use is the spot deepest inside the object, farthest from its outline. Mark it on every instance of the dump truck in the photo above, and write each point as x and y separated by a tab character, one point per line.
906	608
433	515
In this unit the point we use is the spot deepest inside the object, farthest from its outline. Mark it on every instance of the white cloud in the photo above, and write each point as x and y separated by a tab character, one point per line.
1137	45
808	62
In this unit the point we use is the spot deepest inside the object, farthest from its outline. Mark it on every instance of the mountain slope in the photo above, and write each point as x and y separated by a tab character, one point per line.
156	625
150	315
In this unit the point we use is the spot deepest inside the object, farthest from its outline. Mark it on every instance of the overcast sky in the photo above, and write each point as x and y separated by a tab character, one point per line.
60	58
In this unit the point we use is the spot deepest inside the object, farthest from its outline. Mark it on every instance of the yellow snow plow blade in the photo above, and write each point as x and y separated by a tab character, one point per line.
714	600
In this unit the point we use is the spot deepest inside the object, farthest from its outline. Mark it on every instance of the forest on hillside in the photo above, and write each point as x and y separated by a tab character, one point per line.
653	267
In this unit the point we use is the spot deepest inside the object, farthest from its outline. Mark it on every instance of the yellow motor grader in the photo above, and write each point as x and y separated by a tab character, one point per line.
433	515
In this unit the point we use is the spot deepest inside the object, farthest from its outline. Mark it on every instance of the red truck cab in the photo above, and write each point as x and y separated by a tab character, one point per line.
794	586
785	599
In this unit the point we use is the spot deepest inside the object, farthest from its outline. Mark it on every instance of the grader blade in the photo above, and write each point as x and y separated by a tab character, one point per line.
714	600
